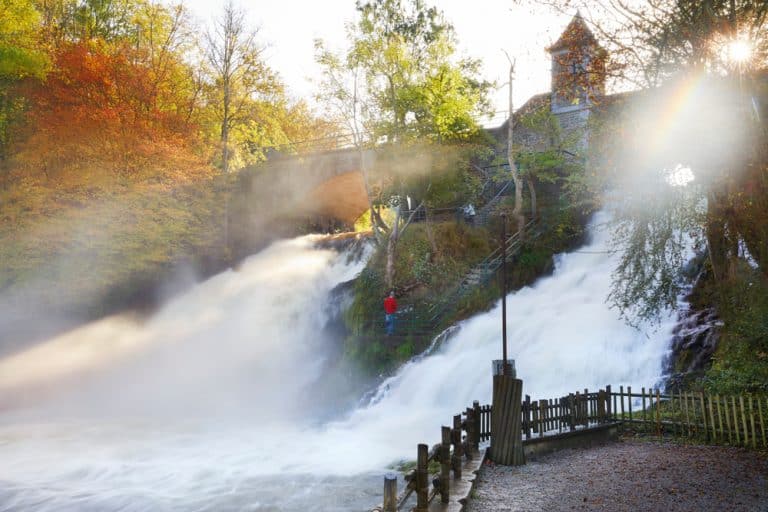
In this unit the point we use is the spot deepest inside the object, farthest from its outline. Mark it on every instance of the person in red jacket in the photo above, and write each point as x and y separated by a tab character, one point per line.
390	308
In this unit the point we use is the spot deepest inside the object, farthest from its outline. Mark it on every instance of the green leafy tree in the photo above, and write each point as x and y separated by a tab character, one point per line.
400	82
551	154
108	20
20	58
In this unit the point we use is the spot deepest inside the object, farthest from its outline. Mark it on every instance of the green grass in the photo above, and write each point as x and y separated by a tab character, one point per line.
89	256
740	363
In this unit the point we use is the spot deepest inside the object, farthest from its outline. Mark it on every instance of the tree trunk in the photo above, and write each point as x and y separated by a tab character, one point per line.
532	190
389	272
225	131
395	116
518	211
430	233
377	225
394	237
717	246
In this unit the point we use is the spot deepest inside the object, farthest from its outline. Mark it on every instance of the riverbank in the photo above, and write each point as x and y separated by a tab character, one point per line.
629	475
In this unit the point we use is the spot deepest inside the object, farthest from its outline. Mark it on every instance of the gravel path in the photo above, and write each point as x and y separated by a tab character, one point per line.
629	475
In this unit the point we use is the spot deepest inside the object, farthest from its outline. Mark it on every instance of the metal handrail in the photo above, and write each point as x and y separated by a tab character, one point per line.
487	267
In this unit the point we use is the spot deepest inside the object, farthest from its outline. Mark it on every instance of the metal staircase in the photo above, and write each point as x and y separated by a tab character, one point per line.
414	321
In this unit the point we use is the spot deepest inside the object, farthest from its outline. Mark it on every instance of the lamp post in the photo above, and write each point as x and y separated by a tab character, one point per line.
506	420
504	363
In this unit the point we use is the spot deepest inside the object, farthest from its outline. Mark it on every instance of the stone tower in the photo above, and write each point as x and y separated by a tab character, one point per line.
578	73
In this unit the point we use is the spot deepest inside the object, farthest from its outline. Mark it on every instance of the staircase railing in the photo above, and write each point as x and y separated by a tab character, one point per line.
479	274
414	321
481	219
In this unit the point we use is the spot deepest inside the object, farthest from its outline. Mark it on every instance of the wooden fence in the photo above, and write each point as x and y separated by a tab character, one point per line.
733	420
458	442
719	419
713	418
540	417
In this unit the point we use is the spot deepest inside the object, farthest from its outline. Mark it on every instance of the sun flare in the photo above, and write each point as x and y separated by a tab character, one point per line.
680	176
738	51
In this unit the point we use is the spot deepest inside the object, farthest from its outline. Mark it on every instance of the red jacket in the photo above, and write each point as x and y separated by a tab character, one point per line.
390	305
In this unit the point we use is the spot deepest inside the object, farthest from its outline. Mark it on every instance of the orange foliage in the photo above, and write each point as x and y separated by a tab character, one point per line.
95	120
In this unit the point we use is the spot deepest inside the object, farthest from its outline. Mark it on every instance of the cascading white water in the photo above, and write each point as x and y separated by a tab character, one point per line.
242	349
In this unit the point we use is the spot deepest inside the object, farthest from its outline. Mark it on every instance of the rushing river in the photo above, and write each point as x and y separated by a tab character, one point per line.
213	403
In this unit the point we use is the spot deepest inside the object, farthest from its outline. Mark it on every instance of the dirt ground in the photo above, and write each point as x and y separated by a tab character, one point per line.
629	475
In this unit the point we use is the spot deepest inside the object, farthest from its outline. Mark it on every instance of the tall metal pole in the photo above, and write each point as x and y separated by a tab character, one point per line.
504	370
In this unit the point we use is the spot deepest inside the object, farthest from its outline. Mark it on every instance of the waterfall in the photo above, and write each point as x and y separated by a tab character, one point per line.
207	405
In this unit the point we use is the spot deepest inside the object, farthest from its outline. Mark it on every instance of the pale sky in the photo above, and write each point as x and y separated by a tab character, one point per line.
483	28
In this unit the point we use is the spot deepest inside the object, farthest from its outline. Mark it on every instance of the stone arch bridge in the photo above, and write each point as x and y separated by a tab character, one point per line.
279	197
290	193
325	185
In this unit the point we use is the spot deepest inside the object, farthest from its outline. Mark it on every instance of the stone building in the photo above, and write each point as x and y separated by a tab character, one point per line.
578	85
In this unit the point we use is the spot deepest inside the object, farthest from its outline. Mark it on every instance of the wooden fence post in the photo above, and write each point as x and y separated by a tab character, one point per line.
601	406
658	413
468	427
621	397
577	408
712	418
629	403
390	492
445	464
676	408
735	419
752	421
550	414
719	418
506	442
728	419
571	411
690	410
476	420
704	416
542	417
762	421
458	450
744	420
608	409
422	479
526	425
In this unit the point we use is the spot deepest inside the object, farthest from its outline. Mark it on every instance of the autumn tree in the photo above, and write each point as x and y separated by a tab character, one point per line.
239	75
118	102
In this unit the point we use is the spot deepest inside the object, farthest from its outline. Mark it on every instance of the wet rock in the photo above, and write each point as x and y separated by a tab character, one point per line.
694	342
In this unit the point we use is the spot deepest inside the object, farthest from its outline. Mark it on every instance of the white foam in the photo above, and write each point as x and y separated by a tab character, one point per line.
247	341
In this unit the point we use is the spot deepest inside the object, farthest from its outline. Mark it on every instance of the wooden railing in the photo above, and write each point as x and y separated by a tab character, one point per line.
541	417
458	442
734	420
737	420
566	413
